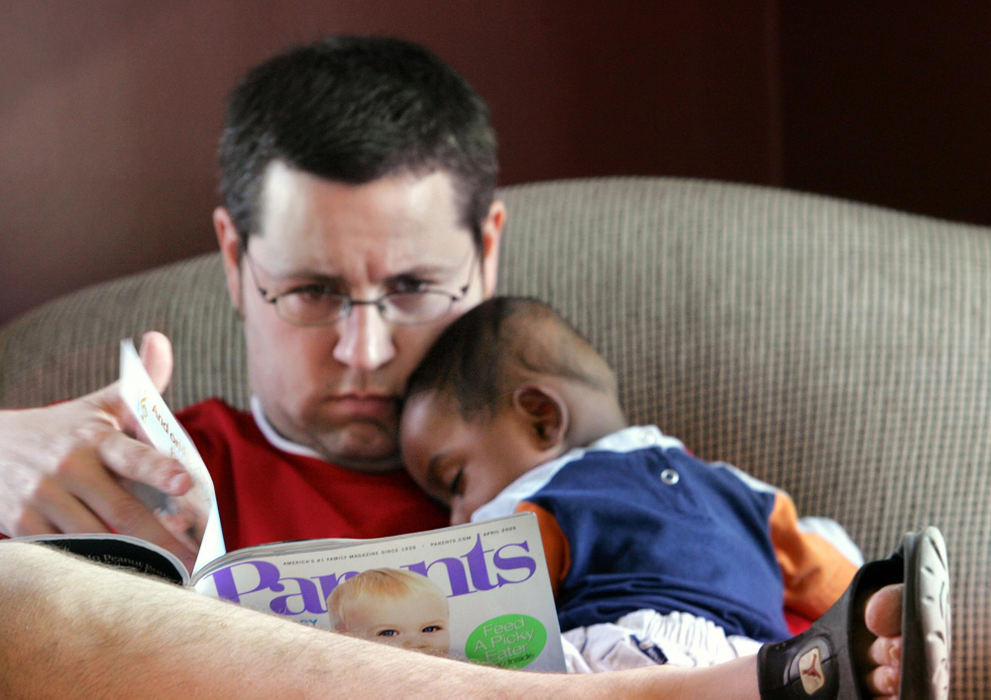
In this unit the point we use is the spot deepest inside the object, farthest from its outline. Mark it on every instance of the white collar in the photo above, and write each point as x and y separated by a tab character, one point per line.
276	440
635	437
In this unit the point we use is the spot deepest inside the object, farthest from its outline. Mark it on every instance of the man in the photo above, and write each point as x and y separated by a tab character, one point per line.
358	220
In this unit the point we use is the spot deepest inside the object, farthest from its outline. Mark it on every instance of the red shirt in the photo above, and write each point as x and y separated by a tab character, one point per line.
268	495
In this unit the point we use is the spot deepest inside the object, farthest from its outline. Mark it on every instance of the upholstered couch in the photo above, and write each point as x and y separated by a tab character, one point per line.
839	350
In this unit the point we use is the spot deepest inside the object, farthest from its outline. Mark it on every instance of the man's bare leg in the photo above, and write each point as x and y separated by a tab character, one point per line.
74	629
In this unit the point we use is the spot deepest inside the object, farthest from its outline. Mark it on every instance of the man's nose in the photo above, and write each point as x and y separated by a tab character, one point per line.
365	340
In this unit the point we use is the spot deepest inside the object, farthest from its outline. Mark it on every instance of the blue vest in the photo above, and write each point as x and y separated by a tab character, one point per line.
657	528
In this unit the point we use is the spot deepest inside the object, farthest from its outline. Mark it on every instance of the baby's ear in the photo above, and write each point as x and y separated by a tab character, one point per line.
544	411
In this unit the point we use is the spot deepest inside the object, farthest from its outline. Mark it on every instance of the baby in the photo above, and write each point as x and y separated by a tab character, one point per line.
393	606
654	555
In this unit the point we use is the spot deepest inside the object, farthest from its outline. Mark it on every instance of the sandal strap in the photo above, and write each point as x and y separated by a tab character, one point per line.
819	663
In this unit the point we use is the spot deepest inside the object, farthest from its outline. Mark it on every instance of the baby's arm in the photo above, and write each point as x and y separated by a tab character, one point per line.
815	571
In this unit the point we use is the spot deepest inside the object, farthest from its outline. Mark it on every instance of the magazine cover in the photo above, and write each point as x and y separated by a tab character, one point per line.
478	592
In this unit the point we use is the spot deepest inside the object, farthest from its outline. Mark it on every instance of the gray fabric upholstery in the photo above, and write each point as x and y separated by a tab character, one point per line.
838	350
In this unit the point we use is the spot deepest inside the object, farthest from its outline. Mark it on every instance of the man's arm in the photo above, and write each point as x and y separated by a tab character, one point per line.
60	465
74	629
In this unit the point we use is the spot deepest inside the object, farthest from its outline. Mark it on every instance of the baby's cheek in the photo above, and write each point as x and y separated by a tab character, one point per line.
392	641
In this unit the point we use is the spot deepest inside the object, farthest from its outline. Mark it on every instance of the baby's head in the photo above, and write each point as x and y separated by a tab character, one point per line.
393	606
506	387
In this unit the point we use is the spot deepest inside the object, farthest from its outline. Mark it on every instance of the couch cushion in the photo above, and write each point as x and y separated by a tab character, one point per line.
839	350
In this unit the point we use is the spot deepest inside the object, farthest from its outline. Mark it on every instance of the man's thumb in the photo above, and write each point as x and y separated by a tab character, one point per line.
156	356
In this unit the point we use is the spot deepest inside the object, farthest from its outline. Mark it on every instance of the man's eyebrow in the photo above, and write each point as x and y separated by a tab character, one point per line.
425	269
418	270
301	273
321	277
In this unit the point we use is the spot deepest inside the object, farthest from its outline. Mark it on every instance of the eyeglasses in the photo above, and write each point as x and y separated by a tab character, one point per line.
317	305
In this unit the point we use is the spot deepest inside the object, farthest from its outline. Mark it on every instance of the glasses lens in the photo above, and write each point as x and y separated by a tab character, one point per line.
415	307
311	308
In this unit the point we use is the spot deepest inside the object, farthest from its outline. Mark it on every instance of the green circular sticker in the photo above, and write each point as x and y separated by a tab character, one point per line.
510	641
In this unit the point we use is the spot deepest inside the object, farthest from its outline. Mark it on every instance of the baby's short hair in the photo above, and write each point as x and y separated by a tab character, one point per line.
482	357
376	584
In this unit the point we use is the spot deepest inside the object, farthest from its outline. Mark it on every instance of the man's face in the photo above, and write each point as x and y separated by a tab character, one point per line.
464	464
336	388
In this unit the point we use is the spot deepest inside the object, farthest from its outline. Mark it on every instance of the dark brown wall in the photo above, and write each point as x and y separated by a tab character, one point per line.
890	102
109	109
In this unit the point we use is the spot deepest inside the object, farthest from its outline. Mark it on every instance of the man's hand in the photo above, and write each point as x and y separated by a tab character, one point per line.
60	466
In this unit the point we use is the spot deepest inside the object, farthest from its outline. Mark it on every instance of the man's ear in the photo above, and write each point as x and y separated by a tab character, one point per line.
545	413
491	235
230	252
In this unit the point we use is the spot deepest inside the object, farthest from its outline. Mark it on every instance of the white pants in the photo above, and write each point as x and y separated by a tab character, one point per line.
646	638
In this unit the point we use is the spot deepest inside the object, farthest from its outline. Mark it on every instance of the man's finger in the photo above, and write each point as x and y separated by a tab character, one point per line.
67	514
123	513
156	356
135	460
54	507
31	522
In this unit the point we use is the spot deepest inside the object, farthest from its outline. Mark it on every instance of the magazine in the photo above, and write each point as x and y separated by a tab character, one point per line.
478	592
484	593
481	589
194	517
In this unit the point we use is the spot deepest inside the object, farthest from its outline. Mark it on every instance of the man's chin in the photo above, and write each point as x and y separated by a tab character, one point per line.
361	447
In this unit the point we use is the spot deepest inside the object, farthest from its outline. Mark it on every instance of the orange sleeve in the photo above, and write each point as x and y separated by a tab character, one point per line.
815	572
557	551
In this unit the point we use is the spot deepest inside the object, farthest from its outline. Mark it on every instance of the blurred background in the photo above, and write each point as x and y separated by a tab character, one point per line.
110	109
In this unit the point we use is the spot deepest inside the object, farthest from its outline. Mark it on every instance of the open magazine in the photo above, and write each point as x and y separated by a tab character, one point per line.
479	592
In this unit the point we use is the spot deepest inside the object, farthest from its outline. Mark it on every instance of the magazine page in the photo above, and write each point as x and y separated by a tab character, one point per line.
478	592
122	551
193	517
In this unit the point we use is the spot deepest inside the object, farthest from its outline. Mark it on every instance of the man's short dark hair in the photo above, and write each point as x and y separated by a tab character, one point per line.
355	109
